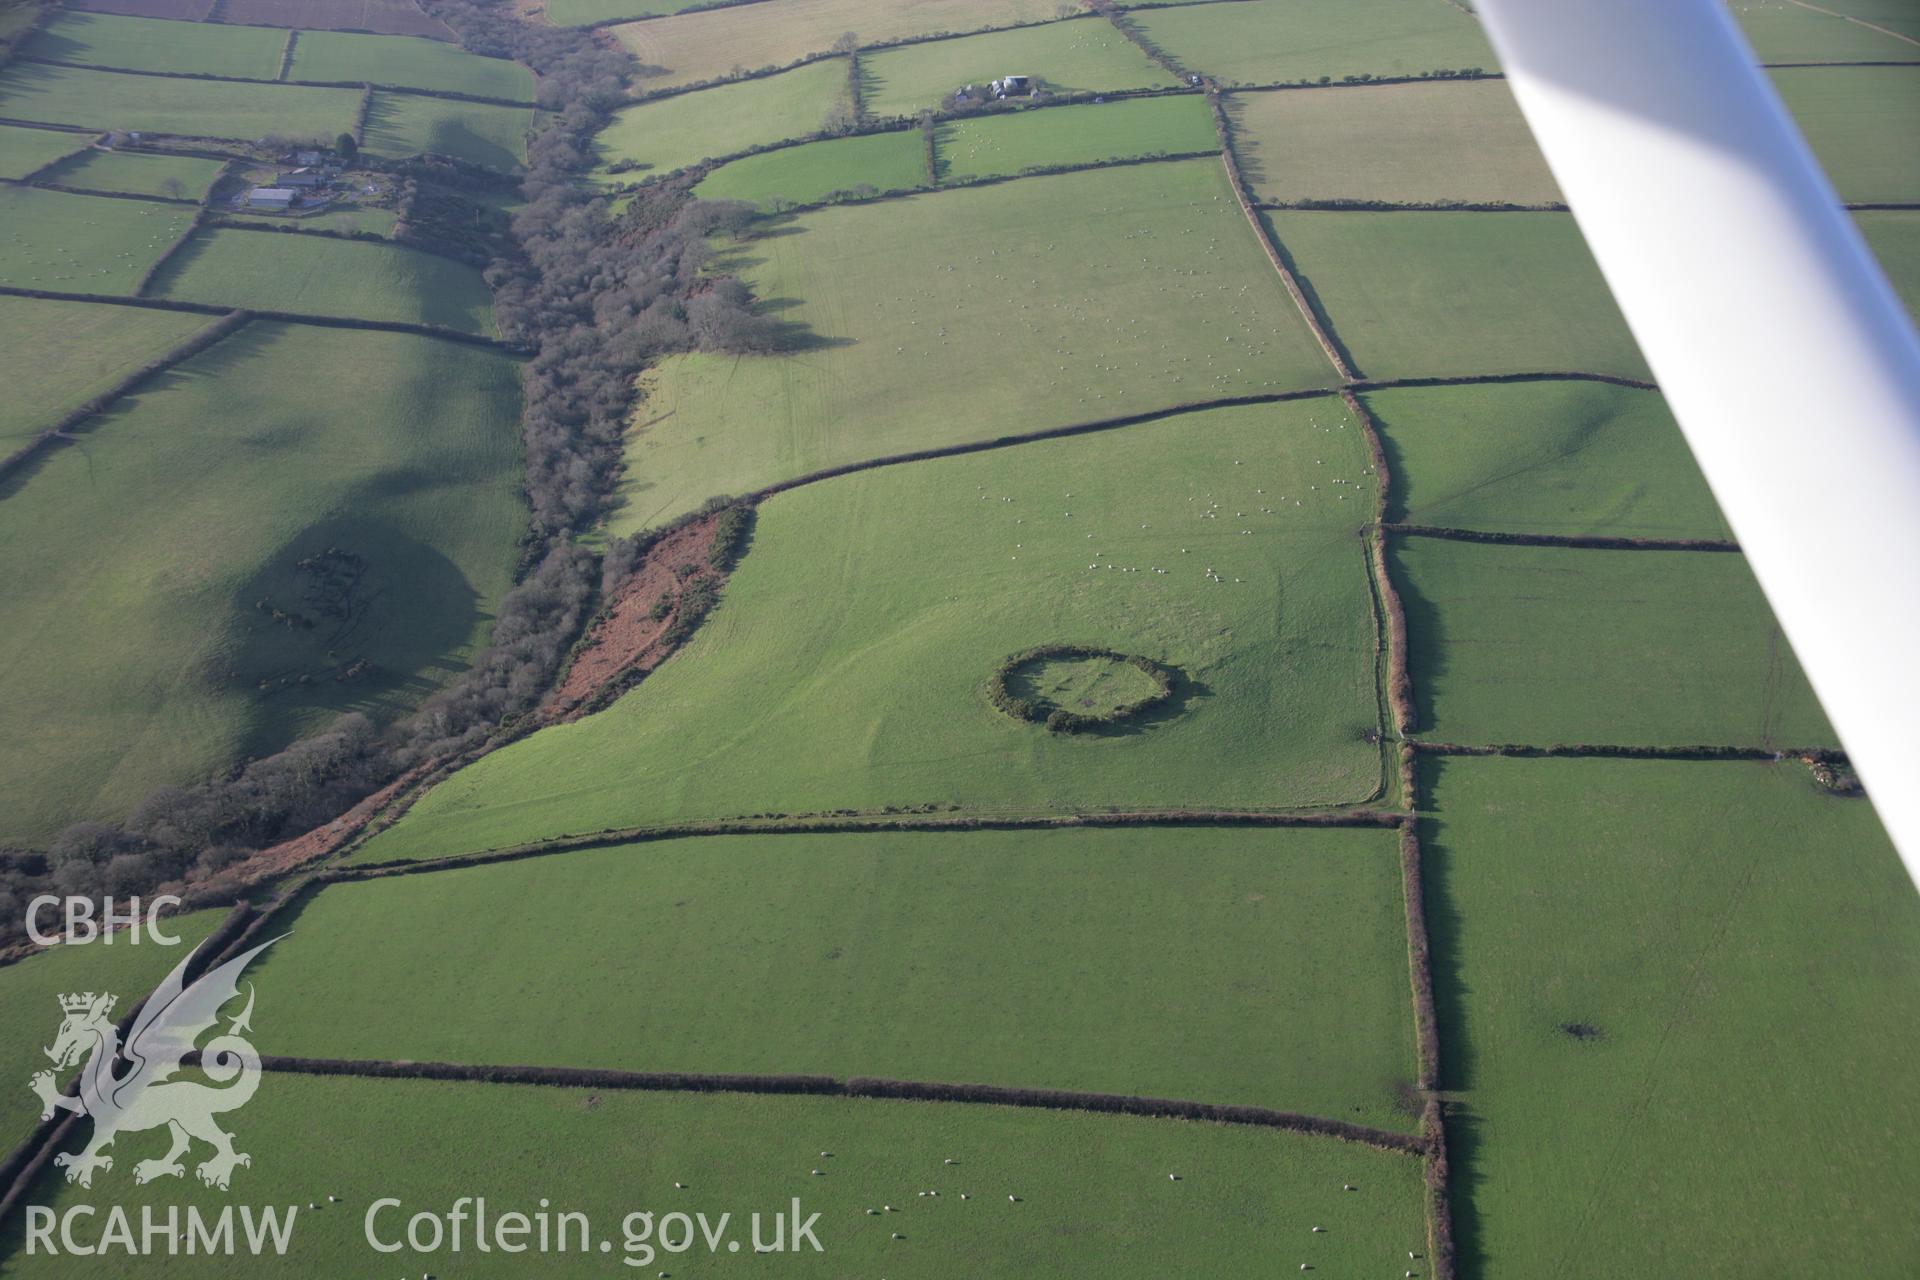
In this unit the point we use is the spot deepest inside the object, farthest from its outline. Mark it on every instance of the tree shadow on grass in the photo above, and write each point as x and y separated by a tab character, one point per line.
1426	638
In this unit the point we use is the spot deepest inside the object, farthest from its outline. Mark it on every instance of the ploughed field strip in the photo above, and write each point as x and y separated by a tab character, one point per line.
296	523
1061	959
1631	952
1045	1192
1310	41
38	339
968	315
846	665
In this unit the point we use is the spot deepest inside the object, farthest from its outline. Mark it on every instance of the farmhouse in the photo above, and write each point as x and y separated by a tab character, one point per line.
271	198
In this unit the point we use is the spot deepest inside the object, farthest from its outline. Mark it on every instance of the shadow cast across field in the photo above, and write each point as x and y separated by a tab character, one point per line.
1427	638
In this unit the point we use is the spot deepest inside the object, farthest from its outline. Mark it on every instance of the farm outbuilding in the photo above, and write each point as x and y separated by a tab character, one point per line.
271	198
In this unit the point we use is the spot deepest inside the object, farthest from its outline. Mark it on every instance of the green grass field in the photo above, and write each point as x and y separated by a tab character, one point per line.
692	47
1781	31
1087	56
1894	237
1459	140
846	665
30	990
580	13
151	44
972	314
659	137
323	276
1422	294
54	356
1894	15
1287	41
409	62
1859	121
194	108
1062	960
405	124
179	177
1547	645
815	170
1095	1200
1747	950
138	560
24	150
82	244
1000	145
341	217
1543	457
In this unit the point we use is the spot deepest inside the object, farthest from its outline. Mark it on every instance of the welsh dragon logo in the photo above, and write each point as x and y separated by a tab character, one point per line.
126	1090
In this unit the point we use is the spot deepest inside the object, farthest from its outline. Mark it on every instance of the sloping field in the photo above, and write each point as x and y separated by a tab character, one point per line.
30	992
24	150
409	62
1000	145
846	666
145	564
972	314
1300	41
1549	645
1860	123
1426	294
148	44
690	127
81	244
1719	934
38	342
580	13
1086	56
1461	140
1782	31
1897	16
692	47
406	124
386	17
324	276
815	170
1094	1198
191	10
1543	457
158	104
918	956
178	177
1894	237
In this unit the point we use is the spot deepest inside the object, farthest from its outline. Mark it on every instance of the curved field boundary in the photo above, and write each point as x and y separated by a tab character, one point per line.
62	430
286	317
854	824
452	95
856	1087
1588	542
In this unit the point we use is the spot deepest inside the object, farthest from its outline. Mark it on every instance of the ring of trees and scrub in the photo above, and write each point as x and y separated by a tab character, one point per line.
1074	688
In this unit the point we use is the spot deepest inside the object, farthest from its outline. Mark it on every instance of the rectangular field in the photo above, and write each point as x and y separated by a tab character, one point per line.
971	314
148	44
1003	145
1462	140
1302	41
674	132
158	104
1548	645
1894	237
161	625
1085	56
1543	457
319	275
407	62
383	17
1860	123
1222	543
406	124
176	177
815	170
189	10
1631	953
24	150
1782	31
82	244
583	13
55	356
951	967
1426	294
691	47
1094	1199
